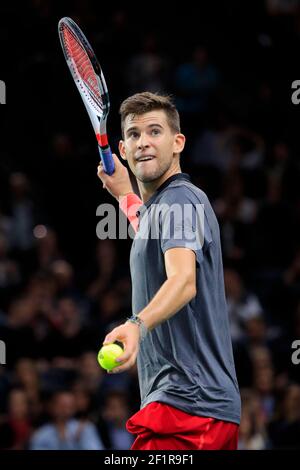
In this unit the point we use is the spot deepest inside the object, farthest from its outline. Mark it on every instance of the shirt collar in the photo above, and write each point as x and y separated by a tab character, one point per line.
165	184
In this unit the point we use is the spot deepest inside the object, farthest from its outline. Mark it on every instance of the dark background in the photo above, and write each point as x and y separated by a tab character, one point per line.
230	67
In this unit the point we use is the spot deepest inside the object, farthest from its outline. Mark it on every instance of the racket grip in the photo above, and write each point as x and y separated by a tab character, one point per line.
107	160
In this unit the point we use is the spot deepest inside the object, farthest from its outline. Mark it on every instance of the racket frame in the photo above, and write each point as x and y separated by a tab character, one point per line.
98	116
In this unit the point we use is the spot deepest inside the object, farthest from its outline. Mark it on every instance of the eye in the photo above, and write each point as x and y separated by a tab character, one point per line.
155	131
133	134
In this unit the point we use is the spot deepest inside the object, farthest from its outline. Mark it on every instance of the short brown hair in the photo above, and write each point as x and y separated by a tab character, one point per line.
142	103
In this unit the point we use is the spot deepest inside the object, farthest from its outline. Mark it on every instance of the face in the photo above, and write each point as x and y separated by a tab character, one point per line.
63	407
116	409
18	404
150	146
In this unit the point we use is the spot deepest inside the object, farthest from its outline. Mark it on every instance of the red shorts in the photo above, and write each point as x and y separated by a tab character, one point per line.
162	427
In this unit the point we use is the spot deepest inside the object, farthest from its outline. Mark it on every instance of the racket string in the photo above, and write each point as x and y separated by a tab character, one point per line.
83	65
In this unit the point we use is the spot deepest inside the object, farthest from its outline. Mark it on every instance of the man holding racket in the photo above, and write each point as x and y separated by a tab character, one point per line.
179	331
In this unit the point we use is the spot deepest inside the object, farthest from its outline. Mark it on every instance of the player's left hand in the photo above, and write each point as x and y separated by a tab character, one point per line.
129	335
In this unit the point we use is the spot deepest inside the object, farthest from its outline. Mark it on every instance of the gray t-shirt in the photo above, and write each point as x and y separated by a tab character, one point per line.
186	361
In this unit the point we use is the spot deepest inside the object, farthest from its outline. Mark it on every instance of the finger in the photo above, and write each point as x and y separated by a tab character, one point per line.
121	368
100	170
110	338
125	357
108	341
117	160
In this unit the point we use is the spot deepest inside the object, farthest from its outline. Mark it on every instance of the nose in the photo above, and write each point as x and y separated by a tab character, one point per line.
143	141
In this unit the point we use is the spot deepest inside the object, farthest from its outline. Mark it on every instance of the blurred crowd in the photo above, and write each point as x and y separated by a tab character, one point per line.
62	289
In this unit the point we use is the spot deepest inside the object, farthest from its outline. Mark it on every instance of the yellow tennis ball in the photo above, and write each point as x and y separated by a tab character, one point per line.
108	354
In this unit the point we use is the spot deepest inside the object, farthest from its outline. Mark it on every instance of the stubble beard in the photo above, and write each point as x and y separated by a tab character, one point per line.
155	174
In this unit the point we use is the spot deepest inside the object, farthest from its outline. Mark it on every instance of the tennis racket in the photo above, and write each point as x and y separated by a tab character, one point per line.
89	79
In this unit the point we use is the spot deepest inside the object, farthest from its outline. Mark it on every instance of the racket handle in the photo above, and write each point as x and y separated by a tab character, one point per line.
107	160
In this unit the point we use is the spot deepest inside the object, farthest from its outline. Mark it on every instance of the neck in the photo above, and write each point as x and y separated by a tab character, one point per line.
148	189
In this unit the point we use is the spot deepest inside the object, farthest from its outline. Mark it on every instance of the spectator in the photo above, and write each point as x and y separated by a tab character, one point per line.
242	305
18	418
195	82
284	431
16	329
26	377
90	373
114	415
147	69
71	337
47	248
64	432
252	432
106	269
237	213
264	380
9	270
23	212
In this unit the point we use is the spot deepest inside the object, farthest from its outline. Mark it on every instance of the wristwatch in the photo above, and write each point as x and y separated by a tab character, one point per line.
138	321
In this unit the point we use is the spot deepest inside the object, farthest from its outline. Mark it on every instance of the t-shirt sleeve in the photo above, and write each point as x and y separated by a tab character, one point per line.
183	223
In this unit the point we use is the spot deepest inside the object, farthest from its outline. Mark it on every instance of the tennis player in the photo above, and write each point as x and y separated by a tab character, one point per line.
179	330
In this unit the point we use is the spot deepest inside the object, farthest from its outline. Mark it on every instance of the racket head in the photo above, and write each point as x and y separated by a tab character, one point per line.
85	69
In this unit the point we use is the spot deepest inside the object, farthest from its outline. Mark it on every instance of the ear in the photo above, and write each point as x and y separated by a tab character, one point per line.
122	150
179	143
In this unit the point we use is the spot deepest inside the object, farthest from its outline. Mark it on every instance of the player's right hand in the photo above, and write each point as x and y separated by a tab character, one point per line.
118	184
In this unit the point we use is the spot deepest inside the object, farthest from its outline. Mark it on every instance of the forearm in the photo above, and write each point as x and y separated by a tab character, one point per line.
176	292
